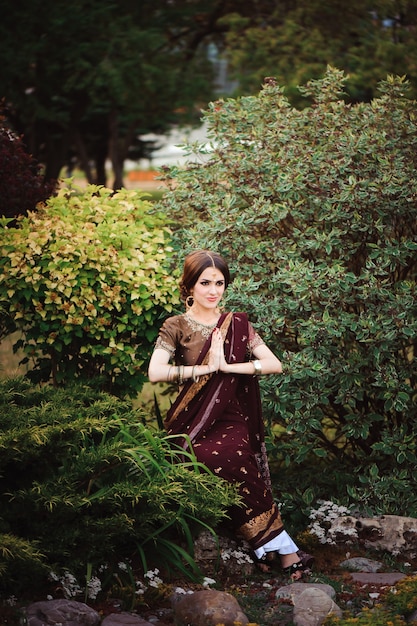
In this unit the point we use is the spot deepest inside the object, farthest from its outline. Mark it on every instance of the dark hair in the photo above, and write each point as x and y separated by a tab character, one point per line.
195	263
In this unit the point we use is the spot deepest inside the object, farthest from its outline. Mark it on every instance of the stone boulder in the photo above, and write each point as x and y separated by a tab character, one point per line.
208	608
61	613
392	533
361	564
294	590
312	607
222	554
124	619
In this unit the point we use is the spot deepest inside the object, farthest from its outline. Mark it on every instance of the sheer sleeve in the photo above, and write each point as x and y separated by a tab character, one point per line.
168	336
254	339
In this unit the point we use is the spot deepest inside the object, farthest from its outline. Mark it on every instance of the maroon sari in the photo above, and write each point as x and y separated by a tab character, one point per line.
221	417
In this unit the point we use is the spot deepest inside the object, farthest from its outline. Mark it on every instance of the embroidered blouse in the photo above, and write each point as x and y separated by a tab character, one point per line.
183	338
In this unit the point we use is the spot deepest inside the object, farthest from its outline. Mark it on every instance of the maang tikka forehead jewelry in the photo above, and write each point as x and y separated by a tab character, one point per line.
213	264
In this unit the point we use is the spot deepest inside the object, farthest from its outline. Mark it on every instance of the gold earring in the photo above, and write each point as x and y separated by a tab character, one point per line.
189	301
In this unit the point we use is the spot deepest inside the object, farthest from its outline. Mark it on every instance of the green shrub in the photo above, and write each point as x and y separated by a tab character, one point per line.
316	211
84	482
85	280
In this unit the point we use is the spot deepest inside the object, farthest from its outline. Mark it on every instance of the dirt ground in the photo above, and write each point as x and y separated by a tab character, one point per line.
256	594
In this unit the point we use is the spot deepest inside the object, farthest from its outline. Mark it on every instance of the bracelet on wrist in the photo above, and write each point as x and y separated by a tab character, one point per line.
257	367
195	377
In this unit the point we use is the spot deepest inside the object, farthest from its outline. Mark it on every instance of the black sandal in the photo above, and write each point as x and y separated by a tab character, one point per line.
292	571
303	566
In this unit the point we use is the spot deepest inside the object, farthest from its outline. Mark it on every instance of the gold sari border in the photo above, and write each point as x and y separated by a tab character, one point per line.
195	387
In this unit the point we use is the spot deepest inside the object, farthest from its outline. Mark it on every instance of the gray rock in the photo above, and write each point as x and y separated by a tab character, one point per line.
290	592
392	533
208	608
312	607
124	619
219	553
361	564
61	612
389	578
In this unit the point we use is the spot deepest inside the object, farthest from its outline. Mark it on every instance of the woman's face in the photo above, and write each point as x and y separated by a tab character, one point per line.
209	288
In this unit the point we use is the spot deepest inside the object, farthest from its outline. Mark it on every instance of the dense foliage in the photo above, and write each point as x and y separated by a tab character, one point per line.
366	38
85	280
86	81
84	483
316	210
22	184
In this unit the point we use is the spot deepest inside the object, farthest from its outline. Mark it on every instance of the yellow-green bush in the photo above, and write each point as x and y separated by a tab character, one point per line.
86	279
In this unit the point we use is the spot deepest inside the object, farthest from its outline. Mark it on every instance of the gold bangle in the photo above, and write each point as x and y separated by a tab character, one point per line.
257	367
194	375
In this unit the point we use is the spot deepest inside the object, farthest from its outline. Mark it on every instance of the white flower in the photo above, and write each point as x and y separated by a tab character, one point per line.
154	580
93	587
208	581
141	588
122	566
323	518
240	556
181	591
70	585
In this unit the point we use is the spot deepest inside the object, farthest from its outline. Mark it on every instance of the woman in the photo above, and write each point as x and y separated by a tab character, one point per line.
216	358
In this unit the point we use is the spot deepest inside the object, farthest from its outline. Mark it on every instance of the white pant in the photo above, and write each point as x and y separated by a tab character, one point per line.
283	544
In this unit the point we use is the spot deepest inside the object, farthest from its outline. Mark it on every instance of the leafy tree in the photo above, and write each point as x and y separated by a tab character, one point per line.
298	40
88	77
85	80
316	210
84	482
84	280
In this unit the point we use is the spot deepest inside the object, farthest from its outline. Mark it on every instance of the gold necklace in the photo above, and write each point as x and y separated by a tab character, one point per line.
196	326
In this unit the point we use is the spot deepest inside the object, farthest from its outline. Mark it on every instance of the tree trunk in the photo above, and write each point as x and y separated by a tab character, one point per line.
119	148
83	156
116	158
100	160
56	148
